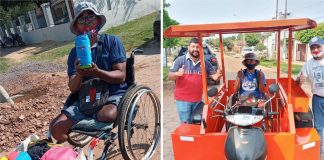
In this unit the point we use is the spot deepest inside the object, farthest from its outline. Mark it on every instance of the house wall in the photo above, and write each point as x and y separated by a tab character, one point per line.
121	12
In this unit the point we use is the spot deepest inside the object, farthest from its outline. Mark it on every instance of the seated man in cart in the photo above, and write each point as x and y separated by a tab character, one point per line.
250	81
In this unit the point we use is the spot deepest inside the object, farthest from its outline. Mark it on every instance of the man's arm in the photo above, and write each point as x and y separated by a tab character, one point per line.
238	80
177	69
217	75
175	75
75	82
302	76
261	82
116	76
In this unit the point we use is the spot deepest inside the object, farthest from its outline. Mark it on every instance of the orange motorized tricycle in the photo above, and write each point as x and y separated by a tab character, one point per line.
223	128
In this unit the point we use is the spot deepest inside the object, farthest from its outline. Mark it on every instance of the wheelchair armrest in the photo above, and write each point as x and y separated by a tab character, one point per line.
71	99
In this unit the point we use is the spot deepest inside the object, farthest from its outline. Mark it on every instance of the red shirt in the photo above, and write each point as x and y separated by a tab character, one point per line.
189	87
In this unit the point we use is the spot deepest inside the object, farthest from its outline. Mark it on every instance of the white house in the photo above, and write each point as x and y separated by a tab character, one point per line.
300	52
51	21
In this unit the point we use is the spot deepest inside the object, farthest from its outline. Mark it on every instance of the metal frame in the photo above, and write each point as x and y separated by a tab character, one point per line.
207	140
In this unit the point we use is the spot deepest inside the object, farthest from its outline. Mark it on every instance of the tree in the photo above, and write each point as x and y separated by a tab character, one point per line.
305	35
10	10
252	39
213	42
260	47
168	21
228	43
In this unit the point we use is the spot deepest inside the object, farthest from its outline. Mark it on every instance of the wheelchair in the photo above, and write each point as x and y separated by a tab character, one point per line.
138	122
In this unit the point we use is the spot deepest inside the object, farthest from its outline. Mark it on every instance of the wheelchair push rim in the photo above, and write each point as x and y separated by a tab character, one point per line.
140	128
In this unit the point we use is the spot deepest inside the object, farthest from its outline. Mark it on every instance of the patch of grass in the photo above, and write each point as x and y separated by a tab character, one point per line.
4	64
52	54
283	65
133	34
136	32
165	73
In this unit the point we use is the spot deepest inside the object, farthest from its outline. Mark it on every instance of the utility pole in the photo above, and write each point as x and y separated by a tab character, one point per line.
276	9
276	35
284	36
286	13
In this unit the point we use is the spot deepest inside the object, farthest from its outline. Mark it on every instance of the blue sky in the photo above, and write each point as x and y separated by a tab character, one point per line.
216	11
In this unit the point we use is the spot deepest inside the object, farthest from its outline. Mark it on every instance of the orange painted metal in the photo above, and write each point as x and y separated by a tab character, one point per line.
189	144
203	68
307	144
284	141
238	27
222	58
289	65
299	98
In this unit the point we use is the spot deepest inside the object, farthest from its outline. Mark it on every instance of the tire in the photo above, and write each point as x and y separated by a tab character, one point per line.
128	128
304	119
78	139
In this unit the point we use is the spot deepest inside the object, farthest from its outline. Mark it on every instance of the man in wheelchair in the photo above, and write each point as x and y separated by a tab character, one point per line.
250	82
108	67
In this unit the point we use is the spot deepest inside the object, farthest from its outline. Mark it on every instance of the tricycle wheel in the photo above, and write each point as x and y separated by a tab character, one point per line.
304	119
139	127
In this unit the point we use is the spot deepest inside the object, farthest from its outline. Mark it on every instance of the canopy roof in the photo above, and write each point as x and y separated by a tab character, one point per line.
238	27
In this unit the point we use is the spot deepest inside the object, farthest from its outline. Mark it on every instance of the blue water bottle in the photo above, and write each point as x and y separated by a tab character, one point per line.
82	44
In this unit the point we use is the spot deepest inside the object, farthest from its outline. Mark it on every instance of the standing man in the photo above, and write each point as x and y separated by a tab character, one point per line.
186	72
314	70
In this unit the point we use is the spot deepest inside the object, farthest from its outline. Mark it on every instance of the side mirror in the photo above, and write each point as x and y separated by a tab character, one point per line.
212	91
273	88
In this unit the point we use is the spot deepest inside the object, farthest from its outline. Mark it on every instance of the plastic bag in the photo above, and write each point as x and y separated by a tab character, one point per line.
59	153
23	146
81	155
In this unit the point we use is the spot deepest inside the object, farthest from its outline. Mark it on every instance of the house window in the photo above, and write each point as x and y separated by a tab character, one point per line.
59	12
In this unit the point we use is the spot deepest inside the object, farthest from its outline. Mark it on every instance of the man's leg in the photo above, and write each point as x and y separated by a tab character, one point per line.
108	113
60	126
184	111
318	112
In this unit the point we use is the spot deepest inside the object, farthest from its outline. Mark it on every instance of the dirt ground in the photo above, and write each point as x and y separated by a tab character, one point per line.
41	90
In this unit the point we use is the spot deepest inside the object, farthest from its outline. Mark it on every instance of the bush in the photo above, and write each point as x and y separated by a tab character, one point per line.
260	47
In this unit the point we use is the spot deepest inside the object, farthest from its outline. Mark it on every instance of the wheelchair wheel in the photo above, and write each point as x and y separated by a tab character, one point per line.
78	139
139	127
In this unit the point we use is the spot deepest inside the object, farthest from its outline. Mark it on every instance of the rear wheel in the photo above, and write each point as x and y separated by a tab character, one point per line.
139	127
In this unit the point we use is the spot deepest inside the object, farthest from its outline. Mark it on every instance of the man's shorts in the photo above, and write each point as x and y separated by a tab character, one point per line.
73	112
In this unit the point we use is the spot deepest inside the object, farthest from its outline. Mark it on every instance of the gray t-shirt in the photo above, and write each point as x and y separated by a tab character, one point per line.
314	70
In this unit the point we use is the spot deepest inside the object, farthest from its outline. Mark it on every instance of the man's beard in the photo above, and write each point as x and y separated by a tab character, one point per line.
193	54
318	55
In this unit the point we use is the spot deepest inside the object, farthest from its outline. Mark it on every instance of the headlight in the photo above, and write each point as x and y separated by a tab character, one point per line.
244	119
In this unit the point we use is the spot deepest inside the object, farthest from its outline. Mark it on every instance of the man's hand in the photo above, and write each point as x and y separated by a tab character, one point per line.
261	104
181	71
86	72
301	79
217	76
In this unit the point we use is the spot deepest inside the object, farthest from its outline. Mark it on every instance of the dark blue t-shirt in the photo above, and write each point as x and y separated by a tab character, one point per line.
113	52
249	84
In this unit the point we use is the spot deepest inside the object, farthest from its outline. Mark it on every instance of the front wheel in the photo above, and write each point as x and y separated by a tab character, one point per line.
139	127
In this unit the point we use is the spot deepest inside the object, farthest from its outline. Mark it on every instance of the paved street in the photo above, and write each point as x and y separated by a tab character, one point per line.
170	119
